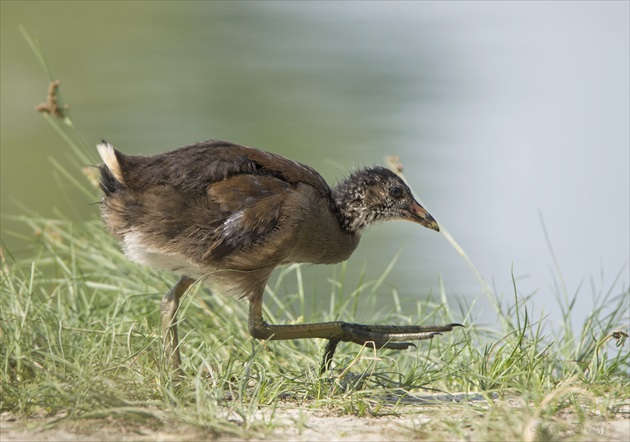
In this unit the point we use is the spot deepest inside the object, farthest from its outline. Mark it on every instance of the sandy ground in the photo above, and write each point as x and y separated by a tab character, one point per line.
295	423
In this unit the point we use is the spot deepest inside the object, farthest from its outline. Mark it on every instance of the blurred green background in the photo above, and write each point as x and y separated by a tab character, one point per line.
501	112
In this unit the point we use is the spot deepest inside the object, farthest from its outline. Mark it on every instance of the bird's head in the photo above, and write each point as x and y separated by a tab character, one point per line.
377	194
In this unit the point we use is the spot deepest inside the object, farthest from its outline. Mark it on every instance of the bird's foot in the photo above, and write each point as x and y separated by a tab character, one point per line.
381	336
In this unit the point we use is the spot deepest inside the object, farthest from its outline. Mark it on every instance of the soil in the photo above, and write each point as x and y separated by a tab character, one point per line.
298	423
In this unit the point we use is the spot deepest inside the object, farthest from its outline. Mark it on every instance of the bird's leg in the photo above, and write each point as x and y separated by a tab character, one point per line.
329	352
168	311
381	336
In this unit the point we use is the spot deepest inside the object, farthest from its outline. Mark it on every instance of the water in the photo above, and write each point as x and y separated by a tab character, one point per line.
508	116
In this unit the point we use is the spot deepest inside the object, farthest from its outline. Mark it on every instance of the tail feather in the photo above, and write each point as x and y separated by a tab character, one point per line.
112	179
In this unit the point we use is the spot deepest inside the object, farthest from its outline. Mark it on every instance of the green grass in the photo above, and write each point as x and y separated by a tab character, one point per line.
80	345
79	338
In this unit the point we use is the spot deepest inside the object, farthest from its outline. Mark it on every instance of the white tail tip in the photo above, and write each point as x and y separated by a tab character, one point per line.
108	155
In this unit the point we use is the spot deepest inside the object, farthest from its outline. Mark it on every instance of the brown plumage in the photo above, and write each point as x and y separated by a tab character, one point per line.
232	214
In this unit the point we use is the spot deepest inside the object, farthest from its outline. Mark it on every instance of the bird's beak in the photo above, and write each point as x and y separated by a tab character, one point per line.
418	214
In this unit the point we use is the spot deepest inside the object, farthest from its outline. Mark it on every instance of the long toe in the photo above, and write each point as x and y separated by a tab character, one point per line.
393	345
361	336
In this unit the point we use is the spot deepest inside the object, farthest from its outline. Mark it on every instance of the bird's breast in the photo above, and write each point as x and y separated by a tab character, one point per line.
314	232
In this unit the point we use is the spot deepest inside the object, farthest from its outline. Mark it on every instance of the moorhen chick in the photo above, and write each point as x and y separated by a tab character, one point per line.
232	214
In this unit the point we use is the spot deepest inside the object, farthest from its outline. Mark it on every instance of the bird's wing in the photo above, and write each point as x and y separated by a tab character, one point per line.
195	167
251	212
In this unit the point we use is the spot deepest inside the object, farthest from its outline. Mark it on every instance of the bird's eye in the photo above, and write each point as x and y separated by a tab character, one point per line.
396	192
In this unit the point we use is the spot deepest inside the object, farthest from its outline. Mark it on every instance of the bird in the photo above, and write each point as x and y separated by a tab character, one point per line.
231	214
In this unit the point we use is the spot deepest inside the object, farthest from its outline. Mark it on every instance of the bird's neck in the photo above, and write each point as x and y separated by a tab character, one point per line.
351	209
